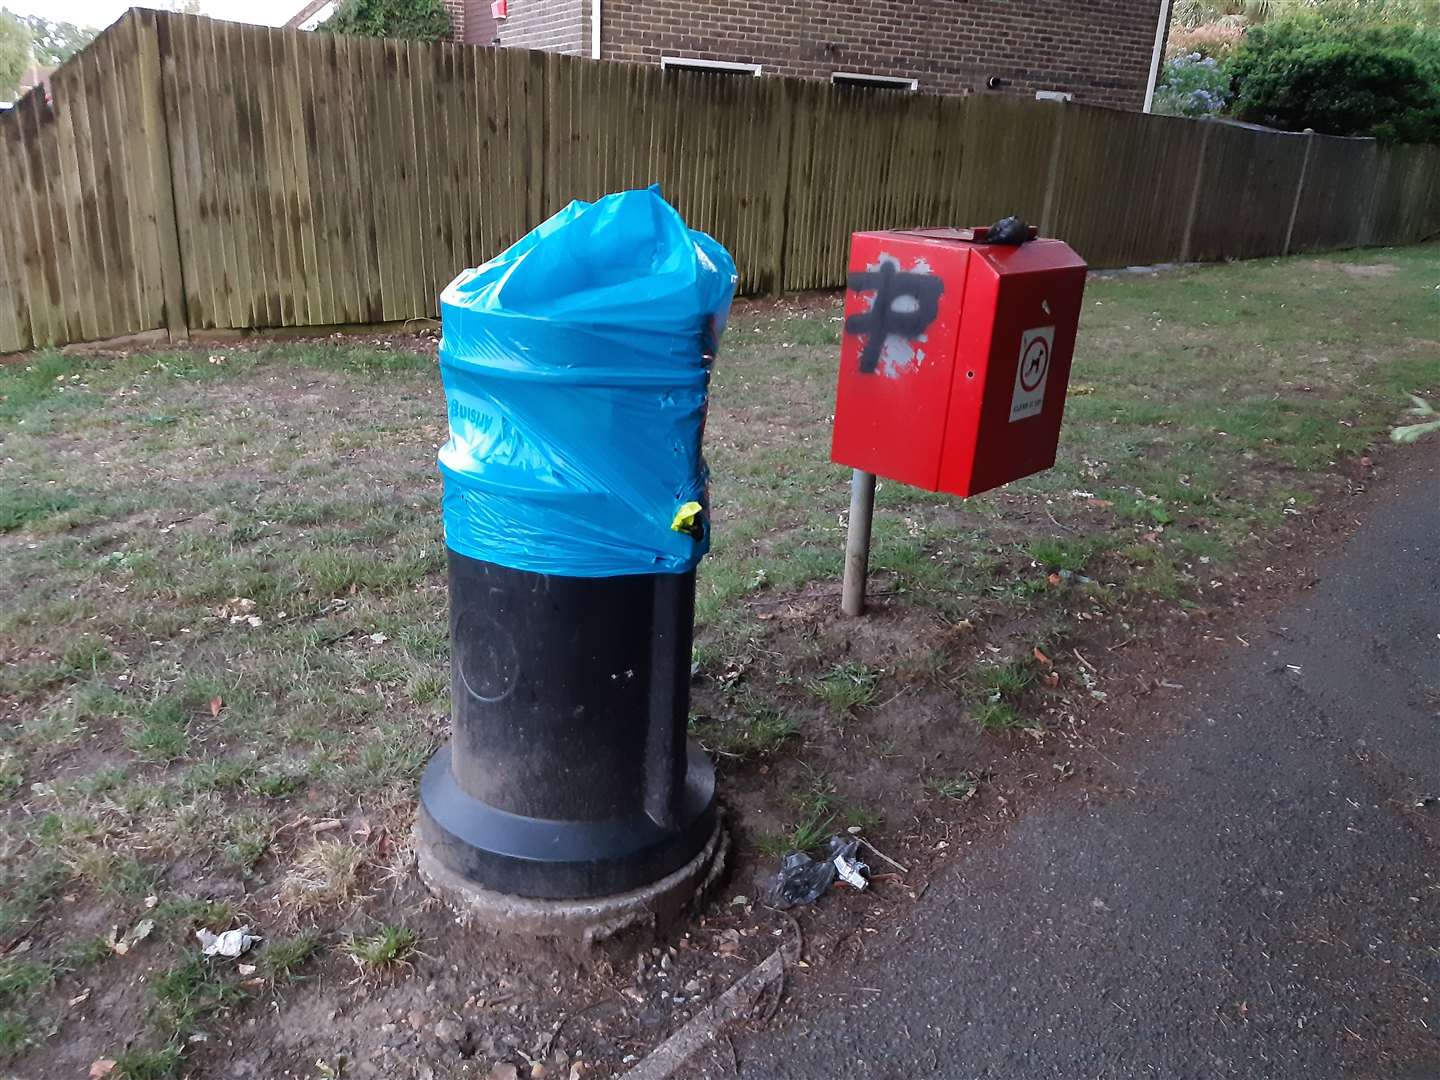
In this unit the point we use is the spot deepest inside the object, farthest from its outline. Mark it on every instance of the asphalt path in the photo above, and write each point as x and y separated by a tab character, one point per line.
1260	898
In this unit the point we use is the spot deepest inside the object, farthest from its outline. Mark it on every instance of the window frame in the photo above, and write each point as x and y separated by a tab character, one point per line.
875	82
717	67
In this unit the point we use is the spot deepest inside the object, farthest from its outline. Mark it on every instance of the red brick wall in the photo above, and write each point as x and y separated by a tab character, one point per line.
1098	50
553	25
456	10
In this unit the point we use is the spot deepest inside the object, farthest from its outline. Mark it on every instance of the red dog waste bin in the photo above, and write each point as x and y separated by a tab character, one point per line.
956	357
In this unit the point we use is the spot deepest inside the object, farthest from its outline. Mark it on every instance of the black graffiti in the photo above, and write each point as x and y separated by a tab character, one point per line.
918	297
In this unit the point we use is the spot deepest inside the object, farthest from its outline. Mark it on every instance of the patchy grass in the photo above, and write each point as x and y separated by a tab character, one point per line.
1062	554
324	875
1006	679
22	981
26	888
159	734
20	978
810	835
847	687
1001	689
223	611
16	1031
163	1063
187	914
11	774
20	507
386	950
749	733
959	788
191	993
185	1000
281	960
86	952
818	812
997	716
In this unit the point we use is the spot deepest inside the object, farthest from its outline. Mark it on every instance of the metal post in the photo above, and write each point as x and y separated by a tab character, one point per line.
857	543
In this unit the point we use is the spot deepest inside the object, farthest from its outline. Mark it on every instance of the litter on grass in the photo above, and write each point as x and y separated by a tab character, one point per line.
230	944
137	933
803	880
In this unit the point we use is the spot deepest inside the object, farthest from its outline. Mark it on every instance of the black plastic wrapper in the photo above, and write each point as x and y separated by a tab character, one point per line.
803	880
1010	231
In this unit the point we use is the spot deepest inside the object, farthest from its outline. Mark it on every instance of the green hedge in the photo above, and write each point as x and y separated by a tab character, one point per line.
1340	79
419	20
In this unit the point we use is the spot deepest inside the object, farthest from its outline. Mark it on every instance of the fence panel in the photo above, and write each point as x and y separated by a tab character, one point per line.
1407	194
1248	184
716	145
1142	218
15	331
1337	202
1009	146
80	255
1427	212
862	159
324	180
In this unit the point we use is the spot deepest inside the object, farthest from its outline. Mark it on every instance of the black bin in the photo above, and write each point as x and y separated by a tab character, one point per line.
569	774
576	366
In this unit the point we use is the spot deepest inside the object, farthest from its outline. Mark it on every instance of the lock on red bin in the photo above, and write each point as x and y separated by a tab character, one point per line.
955	359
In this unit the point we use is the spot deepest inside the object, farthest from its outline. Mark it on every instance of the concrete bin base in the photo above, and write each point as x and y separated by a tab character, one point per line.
585	923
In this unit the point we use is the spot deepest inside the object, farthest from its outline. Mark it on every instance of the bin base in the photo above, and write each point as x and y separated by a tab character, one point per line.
588	923
560	860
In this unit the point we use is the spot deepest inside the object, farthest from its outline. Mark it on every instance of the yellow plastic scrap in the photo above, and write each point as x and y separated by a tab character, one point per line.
687	519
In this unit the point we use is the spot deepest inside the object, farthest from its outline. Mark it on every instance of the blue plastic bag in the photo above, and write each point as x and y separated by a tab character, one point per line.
576	365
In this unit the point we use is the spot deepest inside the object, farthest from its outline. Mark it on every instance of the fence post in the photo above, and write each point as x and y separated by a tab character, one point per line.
780	194
1057	145
1365	227
540	69
1187	251
156	136
794	221
1299	190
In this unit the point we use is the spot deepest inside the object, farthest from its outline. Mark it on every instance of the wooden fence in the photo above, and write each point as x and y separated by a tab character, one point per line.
196	174
87	228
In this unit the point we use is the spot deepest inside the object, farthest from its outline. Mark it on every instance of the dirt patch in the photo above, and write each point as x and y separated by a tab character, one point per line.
1357	270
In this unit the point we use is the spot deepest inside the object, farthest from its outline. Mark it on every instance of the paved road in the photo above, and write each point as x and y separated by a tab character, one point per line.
1264	904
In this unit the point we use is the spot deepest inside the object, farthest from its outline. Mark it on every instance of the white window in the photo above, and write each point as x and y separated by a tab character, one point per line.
874	82
714	67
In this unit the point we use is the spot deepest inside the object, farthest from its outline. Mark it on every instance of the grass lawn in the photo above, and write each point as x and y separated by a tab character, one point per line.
223	655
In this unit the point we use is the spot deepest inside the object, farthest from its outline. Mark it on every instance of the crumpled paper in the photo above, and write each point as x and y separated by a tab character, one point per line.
230	944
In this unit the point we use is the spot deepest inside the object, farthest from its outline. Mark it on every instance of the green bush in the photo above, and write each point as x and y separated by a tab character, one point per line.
14	53
419	20
1340	79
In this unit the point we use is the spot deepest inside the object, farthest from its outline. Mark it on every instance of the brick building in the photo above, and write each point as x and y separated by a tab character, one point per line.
474	24
1098	51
